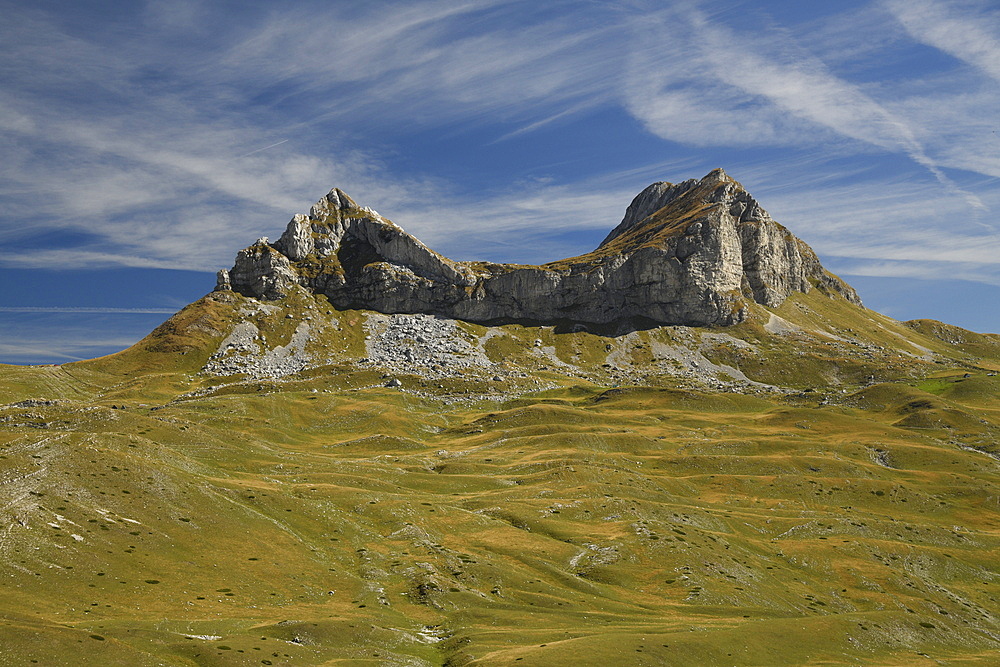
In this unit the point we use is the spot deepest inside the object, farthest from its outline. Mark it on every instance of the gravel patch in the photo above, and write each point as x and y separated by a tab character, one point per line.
242	352
423	345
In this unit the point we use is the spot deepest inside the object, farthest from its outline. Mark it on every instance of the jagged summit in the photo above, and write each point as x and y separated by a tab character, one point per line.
693	253
655	197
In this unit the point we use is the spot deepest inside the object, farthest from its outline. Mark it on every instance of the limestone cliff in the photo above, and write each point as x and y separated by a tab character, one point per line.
694	253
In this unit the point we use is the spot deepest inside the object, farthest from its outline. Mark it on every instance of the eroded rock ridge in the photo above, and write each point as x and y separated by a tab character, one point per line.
693	253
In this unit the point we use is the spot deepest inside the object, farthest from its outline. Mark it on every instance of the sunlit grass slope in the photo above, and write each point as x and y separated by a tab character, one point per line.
605	508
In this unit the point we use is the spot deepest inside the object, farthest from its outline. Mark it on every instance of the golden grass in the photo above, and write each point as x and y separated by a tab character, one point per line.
658	522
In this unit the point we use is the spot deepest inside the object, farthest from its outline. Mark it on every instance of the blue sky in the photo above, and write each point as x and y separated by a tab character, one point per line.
144	143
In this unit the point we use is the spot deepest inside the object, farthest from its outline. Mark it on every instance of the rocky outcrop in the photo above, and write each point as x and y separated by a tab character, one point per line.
693	253
648	202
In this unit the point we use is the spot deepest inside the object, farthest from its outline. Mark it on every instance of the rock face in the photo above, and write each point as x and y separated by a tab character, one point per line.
694	253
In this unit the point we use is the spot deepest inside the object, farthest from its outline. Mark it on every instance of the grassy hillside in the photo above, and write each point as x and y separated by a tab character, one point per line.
816	486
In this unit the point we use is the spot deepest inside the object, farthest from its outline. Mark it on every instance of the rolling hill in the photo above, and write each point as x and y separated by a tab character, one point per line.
285	474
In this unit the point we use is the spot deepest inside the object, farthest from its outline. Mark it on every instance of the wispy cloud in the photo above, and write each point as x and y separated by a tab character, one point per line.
947	109
430	63
971	34
35	352
520	225
191	149
176	145
82	309
260	150
73	345
59	335
885	225
760	93
918	269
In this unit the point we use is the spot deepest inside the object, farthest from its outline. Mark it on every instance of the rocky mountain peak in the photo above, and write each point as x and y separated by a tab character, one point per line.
661	205
696	252
660	194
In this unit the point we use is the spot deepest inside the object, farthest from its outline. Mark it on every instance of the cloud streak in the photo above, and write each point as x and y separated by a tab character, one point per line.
169	163
83	309
764	95
155	156
973	37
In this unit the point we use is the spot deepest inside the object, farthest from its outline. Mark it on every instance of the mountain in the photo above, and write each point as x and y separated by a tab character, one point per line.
287	472
695	253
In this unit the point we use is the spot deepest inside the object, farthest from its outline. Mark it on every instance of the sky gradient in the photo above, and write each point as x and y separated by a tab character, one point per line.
144	143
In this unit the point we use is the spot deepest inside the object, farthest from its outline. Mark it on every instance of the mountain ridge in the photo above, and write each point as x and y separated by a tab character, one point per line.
695	253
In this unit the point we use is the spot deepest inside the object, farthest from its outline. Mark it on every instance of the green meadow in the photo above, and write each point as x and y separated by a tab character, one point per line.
817	486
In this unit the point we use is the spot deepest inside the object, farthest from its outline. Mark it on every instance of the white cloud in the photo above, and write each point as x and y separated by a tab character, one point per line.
72	345
759	95
176	157
972	35
344	44
955	128
31	351
520	222
671	87
429	62
884	220
163	165
77	310
920	270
